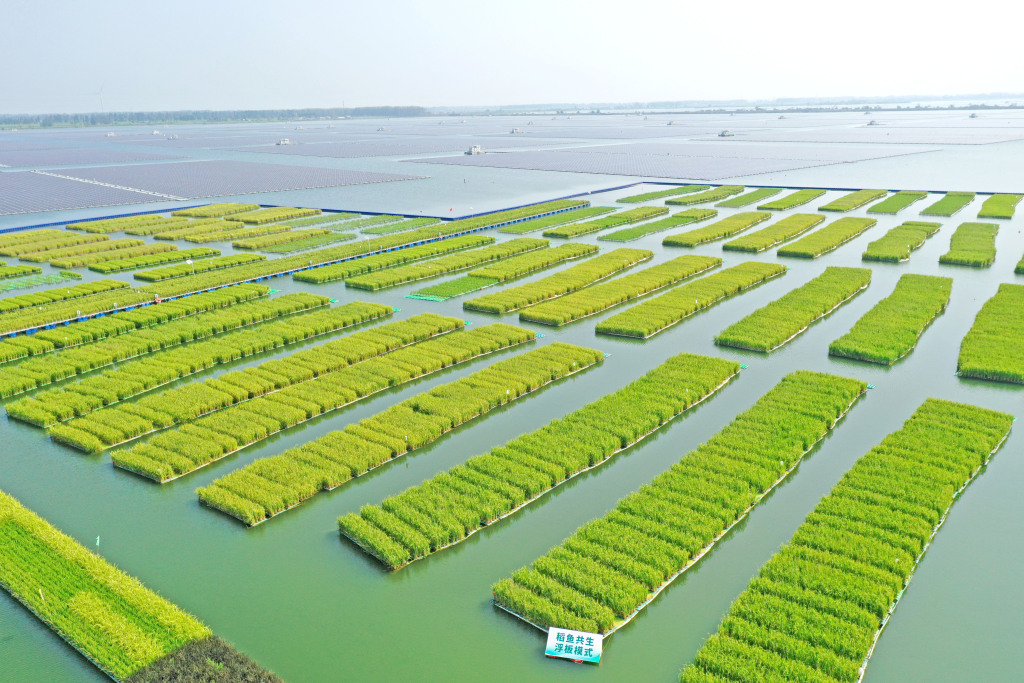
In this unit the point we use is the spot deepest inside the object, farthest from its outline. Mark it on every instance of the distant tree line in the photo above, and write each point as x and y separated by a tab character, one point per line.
116	118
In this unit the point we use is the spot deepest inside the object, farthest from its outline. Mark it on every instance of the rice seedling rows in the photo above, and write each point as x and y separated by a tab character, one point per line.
29	236
890	330
728	226
49	296
816	609
591	300
749	198
7	272
675	220
898	201
768	328
640	213
831	237
102	256
263	330
950	203
852	201
47	255
992	349
176	224
271	485
563	282
393	277
119	265
65	239
399	226
112	619
187	448
895	246
261	241
611	568
792	200
202	266
557	219
661	194
326	218
200	227
227	234
49	315
999	206
712	195
115	224
776	233
453	505
117	424
273	214
655	315
973	244
371	221
309	243
215	210
505	270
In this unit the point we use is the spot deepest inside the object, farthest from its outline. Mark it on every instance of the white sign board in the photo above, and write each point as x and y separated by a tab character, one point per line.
576	645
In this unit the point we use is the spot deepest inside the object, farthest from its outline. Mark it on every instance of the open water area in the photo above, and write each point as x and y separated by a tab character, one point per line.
311	606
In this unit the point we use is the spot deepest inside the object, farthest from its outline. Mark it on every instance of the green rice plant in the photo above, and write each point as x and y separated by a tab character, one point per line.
189	401
326	218
728	226
898	201
973	244
144	249
776	233
173	225
712	195
272	214
651	317
29	236
7	272
675	220
792	200
950	203
310	243
817	608
640	213
261	241
890	330
195	227
505	270
202	266
556	219
108	616
768	328
453	505
89	248
275	407
392	277
612	567
592	300
56	294
661	194
106	225
853	200
829	238
119	265
896	245
222	234
563	282
399	225
991	349
65	239
749	198
215	210
419	421
1019	269
999	206
36	280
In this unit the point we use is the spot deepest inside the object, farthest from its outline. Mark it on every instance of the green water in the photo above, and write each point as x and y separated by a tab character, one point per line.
314	608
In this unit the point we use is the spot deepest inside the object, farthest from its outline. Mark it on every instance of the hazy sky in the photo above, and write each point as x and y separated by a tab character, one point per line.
73	56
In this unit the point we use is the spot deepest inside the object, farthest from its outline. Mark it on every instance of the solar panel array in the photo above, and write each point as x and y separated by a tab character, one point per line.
27	192
390	147
894	135
72	156
830	153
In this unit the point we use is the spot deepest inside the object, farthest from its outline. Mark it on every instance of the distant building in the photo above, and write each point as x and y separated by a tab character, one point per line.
475	149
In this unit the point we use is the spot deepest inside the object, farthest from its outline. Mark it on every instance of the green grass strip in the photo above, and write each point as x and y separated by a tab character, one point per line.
831	237
661	194
853	200
896	245
728	226
895	203
603	575
768	328
684	217
992	348
453	505
711	195
109	617
791	201
973	244
598	298
749	198
890	330
189	447
393	277
999	206
122	264
505	270
410	425
561	283
817	608
640	213
662	312
555	220
950	203
777	233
